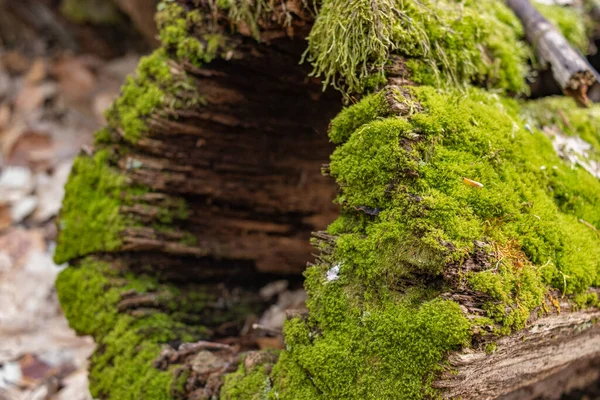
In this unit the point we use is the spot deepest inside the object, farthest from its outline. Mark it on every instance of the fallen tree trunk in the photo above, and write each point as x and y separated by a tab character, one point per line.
571	71
459	224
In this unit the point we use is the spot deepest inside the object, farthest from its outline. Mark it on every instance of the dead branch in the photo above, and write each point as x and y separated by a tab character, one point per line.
569	68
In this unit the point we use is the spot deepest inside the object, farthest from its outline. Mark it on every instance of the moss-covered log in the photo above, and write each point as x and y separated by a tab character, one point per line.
467	237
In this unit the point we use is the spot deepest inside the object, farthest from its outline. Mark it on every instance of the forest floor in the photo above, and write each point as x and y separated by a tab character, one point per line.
49	108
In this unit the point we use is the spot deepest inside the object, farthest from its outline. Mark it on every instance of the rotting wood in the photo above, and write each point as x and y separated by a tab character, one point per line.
570	69
548	347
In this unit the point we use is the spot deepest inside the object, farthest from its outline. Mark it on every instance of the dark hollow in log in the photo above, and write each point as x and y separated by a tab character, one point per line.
248	163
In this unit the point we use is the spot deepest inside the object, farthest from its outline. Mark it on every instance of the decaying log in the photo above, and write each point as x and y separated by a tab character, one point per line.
570	69
521	363
244	161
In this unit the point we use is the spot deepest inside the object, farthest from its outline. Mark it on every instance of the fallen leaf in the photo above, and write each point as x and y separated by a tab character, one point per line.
34	370
15	183
32	97
4	115
23	208
32	149
15	62
37	72
5	217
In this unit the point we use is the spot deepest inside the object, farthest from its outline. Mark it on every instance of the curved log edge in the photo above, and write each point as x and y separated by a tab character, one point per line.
545	349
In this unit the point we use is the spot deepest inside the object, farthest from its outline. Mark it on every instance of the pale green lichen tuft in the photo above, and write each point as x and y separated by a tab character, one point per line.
445	41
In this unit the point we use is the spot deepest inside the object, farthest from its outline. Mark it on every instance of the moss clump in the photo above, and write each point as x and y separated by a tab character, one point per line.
89	220
587	300
455	42
122	367
246	385
368	351
571	21
247	12
187	36
141	96
377	326
411	171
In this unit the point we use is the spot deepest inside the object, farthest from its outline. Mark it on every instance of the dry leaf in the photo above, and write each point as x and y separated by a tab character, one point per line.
32	97
32	149
5	217
37	72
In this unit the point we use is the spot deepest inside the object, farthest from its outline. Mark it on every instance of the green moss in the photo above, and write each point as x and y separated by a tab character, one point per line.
587	300
350	118
157	88
95	11
377	326
447	41
518	287
246	385
412	171
141	96
388	350
89	220
184	35
490	348
122	367
571	21
102	137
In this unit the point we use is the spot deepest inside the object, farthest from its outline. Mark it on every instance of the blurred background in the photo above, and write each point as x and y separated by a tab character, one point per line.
61	65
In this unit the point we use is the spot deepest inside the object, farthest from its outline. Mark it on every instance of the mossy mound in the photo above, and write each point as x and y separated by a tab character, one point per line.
121	368
422	197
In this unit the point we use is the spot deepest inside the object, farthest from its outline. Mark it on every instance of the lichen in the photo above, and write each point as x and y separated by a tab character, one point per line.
247	12
445	41
122	366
